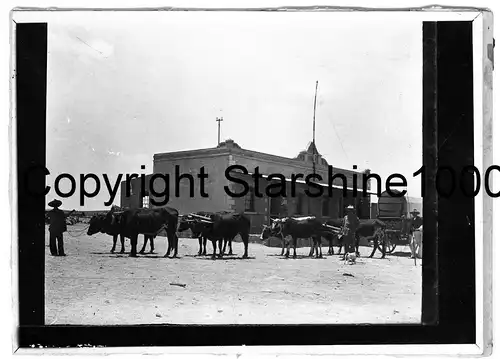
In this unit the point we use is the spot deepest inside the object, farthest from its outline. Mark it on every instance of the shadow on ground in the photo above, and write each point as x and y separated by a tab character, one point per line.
400	254
225	258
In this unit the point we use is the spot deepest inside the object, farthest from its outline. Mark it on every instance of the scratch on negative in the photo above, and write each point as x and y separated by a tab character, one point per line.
89	45
451	133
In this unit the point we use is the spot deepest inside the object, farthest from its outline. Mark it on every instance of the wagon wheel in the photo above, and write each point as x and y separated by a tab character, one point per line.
390	244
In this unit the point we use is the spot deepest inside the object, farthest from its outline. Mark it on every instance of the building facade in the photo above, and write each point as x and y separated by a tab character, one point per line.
185	195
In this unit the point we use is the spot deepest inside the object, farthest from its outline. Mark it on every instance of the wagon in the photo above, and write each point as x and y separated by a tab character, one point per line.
393	212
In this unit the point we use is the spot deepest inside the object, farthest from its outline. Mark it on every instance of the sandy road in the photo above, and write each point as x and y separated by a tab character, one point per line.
94	287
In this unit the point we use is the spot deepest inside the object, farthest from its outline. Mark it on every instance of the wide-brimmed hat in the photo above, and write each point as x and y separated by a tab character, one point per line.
55	203
350	207
415	211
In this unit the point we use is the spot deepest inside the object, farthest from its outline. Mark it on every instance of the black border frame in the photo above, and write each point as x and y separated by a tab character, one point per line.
448	304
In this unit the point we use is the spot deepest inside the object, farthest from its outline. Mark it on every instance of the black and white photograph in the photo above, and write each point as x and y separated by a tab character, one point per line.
117	99
234	168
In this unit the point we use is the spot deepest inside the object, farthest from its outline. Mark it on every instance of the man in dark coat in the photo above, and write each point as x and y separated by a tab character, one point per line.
350	225
416	223
57	227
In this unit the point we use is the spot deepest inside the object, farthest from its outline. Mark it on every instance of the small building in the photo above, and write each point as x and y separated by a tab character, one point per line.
186	197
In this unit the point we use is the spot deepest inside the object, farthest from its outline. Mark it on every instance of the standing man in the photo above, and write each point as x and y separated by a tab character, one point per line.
57	227
350	226
416	234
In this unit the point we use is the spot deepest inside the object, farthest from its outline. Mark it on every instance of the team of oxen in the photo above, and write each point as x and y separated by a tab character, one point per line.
222	227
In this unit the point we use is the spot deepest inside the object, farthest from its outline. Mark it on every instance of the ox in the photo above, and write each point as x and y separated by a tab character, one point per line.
132	222
300	227
200	226
99	223
338	223
370	229
199	229
219	227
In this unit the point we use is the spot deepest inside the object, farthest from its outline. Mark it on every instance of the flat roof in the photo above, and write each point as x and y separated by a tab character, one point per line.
238	150
304	182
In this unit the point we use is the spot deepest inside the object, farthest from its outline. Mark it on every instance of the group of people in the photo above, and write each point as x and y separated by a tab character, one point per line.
351	223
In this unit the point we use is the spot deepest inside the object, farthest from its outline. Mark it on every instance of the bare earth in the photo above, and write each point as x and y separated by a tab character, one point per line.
91	286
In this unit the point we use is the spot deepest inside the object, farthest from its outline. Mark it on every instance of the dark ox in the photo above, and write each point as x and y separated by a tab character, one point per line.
147	221
98	224
307	227
338	222
223	227
370	229
201	230
198	229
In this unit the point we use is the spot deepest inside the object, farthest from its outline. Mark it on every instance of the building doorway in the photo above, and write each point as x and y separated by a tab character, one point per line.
302	204
278	204
275	206
325	207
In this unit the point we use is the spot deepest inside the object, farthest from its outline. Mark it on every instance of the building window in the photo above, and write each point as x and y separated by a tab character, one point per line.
325	210
300	201
250	201
145	202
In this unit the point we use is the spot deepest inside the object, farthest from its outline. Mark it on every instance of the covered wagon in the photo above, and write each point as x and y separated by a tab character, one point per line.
393	211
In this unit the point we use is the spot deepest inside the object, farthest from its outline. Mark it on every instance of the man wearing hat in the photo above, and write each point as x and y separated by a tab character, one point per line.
57	227
350	225
416	234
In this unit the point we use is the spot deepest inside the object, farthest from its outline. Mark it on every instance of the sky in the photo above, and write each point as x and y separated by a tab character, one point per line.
122	87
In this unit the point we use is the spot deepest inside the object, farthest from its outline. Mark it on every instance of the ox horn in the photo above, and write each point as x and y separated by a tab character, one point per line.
203	218
334	229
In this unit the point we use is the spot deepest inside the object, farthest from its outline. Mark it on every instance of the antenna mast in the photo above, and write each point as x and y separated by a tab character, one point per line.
314	130
218	119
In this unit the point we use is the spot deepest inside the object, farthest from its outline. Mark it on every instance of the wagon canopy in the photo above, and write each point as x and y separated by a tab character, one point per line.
391	207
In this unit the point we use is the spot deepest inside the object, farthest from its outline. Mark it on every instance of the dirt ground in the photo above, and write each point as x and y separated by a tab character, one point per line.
91	286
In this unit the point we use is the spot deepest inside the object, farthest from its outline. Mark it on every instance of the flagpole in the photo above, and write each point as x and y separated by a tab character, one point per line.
314	129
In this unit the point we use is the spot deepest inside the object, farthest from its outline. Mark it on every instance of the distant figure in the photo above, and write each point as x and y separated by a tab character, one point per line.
350	225
283	208
57	226
416	234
